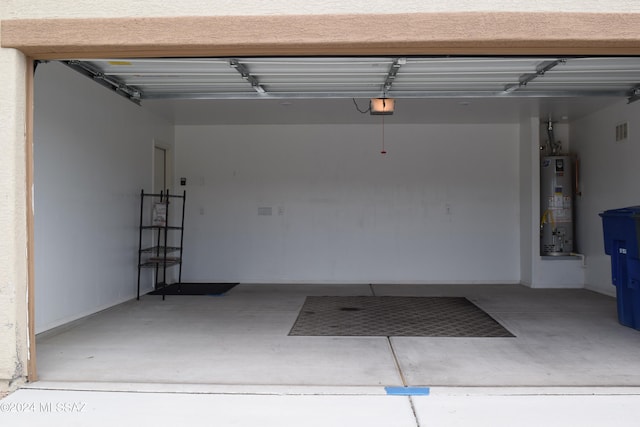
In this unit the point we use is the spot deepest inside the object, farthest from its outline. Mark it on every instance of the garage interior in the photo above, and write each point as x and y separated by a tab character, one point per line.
441	198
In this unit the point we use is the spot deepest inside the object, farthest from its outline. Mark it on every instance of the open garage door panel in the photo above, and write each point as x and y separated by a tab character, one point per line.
365	77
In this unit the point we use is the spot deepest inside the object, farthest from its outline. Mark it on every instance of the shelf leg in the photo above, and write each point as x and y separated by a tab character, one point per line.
140	243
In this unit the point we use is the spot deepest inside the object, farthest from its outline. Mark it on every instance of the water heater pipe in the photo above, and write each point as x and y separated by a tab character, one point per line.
555	147
550	134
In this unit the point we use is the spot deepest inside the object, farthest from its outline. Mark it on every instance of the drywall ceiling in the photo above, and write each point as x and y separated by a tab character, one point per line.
323	89
343	111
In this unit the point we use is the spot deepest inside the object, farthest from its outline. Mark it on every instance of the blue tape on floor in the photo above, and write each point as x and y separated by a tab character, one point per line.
407	391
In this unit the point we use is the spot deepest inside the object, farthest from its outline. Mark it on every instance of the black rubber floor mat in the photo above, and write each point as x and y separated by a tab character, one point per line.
194	289
361	316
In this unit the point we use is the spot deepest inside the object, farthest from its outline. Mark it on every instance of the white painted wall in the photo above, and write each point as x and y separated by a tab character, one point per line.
93	155
610	173
527	218
350	214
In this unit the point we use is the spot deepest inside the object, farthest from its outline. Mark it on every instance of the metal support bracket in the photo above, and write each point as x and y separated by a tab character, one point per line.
244	72
131	93
393	71
541	69
634	95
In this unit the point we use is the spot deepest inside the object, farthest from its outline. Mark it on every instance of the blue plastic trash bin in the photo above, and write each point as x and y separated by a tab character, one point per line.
621	229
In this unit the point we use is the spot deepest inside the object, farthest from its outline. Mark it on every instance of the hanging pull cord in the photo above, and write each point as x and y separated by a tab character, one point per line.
383	150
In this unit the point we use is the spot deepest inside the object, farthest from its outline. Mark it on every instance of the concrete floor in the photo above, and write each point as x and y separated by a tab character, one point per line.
563	338
228	361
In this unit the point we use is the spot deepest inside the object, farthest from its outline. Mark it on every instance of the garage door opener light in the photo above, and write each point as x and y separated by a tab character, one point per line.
382	106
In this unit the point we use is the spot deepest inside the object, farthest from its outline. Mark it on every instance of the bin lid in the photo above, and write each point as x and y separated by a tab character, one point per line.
631	211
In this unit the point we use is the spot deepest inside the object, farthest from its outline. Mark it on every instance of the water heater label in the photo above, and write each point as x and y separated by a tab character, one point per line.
559	201
560	208
562	215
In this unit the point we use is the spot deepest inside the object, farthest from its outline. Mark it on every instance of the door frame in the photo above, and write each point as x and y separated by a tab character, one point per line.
168	159
466	33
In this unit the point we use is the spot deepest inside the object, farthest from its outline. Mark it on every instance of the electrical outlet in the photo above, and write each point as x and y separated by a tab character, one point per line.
265	211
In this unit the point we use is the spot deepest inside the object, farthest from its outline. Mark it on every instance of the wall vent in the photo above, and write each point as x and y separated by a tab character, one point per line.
622	131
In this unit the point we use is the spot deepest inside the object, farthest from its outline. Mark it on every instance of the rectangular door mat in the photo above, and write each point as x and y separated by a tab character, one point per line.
194	289
366	316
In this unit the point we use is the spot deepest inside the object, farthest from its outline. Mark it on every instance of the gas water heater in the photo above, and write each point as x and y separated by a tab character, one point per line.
556	203
556	200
